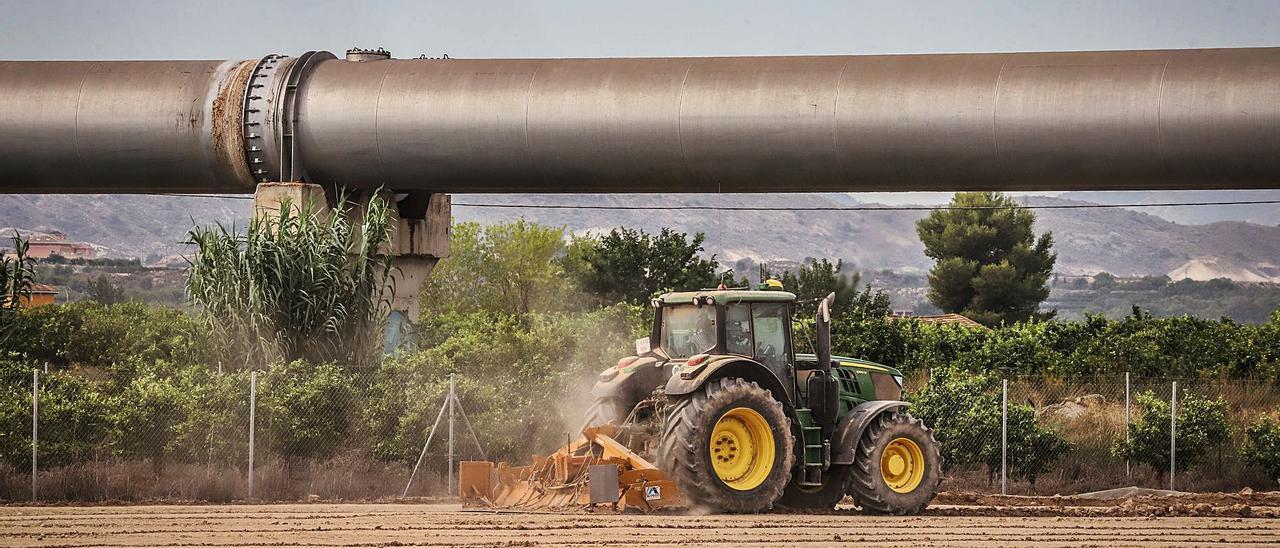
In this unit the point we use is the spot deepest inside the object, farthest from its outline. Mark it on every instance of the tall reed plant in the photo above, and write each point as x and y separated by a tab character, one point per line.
303	283
17	279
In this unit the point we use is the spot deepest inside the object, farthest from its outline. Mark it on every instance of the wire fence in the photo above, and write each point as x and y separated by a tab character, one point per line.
1053	436
285	435
240	436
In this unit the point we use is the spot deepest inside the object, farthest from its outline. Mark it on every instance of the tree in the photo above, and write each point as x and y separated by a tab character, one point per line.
1263	447
103	290
511	268
632	266
868	305
989	264
1202	425
815	279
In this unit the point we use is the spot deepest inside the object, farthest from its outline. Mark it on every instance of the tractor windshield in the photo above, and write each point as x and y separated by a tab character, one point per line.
688	330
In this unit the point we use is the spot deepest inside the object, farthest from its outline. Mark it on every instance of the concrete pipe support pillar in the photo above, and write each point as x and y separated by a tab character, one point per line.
420	238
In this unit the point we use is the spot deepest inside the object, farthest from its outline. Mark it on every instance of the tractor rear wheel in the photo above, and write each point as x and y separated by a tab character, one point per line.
835	482
728	447
897	468
605	411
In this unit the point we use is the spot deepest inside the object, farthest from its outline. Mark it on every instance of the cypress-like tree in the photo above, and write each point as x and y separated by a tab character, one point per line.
990	265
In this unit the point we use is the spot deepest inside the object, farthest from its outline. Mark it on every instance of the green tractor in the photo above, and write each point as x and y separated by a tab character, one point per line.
718	398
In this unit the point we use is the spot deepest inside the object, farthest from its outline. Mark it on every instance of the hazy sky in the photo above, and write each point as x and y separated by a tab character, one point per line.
212	29
175	29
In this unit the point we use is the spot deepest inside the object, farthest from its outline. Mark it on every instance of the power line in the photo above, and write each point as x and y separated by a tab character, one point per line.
864	208
814	208
212	196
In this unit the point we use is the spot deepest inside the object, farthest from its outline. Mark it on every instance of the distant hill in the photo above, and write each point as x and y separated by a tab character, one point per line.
147	227
1263	214
1120	241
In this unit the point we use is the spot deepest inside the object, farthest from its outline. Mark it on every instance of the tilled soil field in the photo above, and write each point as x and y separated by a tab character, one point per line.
453	525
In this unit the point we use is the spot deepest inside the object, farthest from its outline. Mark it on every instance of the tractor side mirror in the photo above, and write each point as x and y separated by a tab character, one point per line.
823	325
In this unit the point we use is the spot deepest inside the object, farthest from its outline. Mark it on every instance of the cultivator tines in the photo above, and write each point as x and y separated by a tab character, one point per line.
595	470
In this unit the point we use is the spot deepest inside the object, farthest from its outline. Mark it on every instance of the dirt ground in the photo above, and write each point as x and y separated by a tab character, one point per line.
453	525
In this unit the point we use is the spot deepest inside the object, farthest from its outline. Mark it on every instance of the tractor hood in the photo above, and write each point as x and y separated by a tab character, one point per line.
854	363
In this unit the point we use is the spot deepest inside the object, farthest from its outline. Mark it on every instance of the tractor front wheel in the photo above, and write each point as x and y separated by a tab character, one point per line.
728	447
897	468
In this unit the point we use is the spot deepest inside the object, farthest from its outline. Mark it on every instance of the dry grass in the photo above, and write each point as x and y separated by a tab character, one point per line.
347	477
1089	466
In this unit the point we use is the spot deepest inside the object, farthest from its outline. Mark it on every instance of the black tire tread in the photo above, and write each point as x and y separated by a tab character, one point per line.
683	442
868	488
605	411
835	483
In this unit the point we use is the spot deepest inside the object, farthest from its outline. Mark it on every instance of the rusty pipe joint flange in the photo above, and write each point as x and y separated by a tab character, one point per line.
261	152
270	115
357	55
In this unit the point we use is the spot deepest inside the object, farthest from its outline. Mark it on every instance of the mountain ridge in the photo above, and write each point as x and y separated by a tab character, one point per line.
1116	240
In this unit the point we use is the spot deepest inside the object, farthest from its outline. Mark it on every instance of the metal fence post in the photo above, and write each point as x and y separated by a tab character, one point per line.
1004	438
1127	472
35	428
434	427
1173	434
253	404
451	387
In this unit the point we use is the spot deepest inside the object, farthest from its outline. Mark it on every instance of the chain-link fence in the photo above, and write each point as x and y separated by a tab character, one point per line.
1037	435
323	433
329	433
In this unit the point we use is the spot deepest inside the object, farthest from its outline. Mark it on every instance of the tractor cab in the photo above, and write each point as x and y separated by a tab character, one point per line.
725	322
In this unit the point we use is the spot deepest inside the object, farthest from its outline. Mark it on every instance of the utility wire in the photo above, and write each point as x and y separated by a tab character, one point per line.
814	208
865	208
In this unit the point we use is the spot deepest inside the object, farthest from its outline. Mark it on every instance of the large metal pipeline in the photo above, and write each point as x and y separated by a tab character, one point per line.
1166	119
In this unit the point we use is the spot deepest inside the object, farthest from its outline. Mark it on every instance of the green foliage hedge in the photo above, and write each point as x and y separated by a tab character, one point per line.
518	376
1143	346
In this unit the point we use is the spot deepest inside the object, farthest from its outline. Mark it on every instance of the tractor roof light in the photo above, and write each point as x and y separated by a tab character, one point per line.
771	285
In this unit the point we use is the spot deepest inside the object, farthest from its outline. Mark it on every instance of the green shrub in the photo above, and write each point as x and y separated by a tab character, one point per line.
216	429
1263	447
74	417
963	410
306	410
147	417
1202	426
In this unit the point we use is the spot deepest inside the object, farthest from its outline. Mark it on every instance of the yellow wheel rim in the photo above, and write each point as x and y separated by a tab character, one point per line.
902	465
742	449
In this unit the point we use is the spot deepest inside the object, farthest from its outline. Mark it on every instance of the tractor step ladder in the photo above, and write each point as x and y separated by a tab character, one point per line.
812	440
